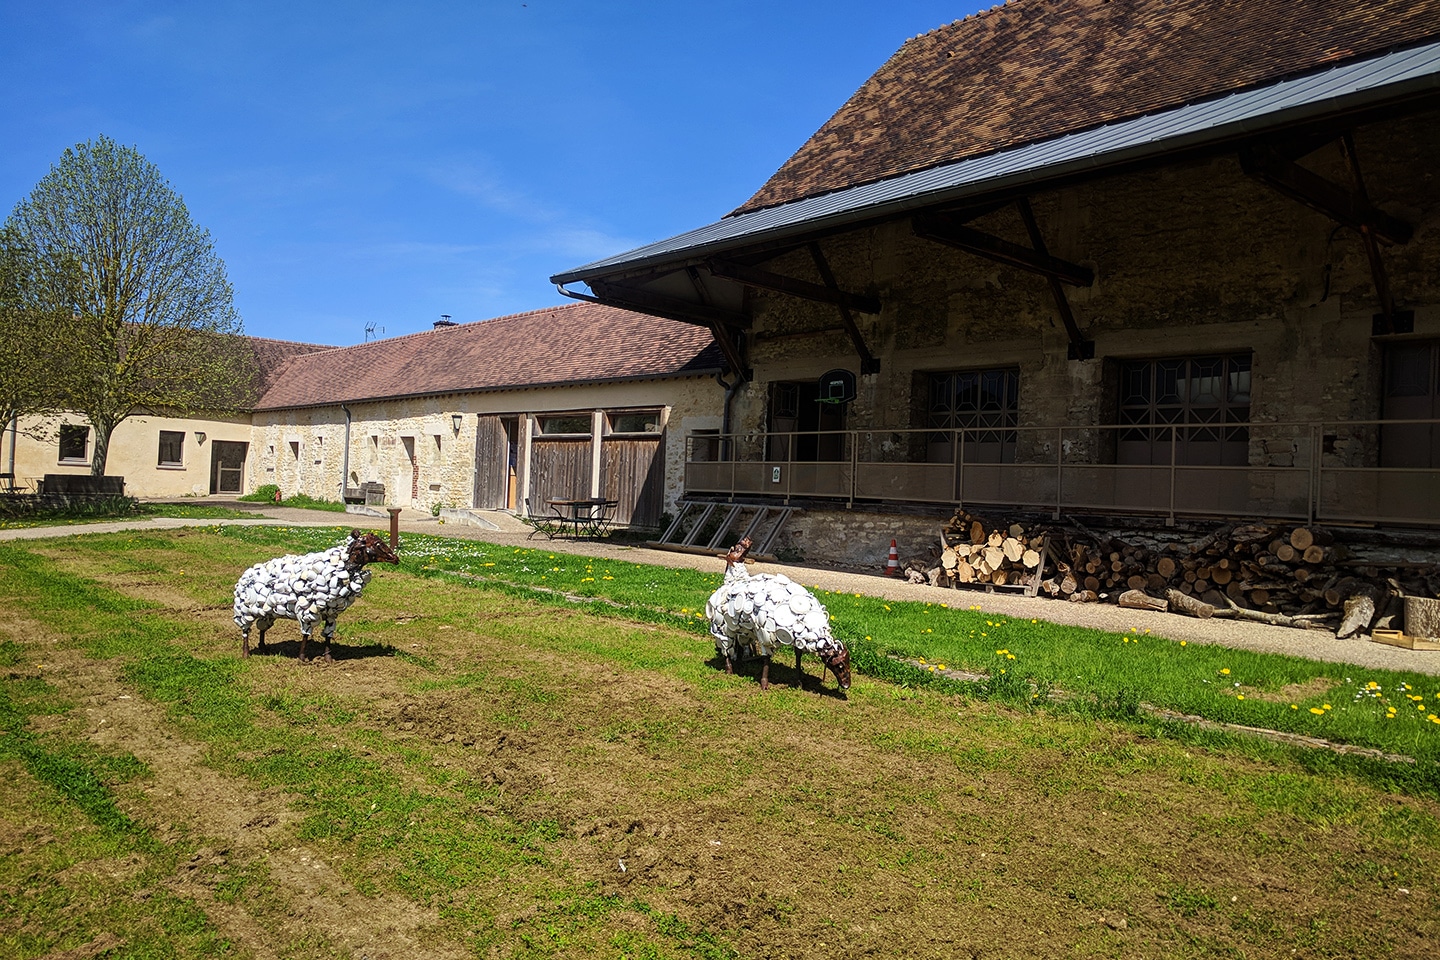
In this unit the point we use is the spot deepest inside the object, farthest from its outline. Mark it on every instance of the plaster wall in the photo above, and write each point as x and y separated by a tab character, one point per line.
133	453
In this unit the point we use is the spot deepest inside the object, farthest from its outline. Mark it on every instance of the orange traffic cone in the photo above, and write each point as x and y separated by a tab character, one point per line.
892	566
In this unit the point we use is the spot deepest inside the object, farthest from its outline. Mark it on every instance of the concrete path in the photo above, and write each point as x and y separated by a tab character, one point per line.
502	528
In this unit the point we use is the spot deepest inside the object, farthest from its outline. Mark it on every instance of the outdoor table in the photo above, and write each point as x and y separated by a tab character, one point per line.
587	517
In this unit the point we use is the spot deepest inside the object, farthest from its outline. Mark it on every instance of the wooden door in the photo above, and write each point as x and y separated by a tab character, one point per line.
559	470
492	465
227	466
632	472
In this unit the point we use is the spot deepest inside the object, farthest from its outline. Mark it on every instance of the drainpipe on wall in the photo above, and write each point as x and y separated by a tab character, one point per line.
14	430
730	390
345	455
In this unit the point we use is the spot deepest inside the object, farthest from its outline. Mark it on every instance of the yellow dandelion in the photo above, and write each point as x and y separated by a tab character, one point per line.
1239	696
1183	642
1317	711
1294	706
1225	671
1327	706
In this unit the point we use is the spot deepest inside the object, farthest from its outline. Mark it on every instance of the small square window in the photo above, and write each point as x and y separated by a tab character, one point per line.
74	443
172	448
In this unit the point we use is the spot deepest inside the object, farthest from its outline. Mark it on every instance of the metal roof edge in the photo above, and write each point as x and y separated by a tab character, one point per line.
1390	77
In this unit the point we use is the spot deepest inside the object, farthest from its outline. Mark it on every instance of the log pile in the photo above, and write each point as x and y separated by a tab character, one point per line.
1264	572
973	552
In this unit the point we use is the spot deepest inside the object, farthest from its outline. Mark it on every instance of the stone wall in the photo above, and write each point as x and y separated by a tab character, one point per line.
412	447
1192	258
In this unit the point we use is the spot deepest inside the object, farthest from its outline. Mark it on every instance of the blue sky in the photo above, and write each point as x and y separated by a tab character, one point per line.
366	163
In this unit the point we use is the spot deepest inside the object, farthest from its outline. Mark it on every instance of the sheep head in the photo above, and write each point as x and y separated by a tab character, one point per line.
839	664
737	553
367	548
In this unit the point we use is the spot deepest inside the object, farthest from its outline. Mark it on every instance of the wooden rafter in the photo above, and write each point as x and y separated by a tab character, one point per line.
1080	348
1349	207
660	305
951	231
869	363
1344	206
768	280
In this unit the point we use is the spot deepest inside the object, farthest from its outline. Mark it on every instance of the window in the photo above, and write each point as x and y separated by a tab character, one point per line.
1412	392
172	448
295	449
984	405
1194	404
635	422
570	424
74	443
704	445
796	408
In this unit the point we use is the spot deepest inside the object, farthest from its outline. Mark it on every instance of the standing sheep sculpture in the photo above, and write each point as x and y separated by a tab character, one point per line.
756	615
314	588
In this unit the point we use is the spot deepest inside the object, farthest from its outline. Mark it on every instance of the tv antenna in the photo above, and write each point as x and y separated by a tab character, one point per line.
370	329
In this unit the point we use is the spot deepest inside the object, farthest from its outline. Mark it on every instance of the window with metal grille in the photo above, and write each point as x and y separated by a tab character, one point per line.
172	448
983	405
1412	392
74	443
1193	409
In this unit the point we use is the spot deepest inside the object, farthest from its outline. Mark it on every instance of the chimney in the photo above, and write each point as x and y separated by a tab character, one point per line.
445	321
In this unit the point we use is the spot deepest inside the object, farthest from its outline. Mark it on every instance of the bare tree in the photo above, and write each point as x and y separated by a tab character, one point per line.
140	305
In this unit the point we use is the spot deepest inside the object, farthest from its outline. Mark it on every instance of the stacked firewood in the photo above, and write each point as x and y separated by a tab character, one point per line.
1290	576
974	553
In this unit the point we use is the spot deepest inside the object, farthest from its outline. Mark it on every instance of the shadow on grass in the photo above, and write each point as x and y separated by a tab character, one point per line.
781	674
316	649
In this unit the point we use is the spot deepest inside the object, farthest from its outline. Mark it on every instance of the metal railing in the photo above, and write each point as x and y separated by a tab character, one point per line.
1310	471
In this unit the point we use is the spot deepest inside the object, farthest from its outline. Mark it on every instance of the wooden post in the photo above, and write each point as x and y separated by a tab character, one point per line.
394	528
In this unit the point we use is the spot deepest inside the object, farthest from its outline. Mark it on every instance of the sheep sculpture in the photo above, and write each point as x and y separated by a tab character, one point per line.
753	616
314	588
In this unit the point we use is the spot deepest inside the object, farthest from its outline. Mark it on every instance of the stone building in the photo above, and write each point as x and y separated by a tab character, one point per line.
569	402
1140	258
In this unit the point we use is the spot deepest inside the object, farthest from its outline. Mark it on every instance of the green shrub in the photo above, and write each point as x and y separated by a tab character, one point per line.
262	494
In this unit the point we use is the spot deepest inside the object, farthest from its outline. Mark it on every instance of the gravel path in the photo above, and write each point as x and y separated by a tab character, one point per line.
1310	644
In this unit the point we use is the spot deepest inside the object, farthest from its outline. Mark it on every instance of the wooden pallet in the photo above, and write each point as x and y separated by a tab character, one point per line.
1397	639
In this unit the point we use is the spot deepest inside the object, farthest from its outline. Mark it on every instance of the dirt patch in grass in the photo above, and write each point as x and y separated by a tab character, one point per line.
679	811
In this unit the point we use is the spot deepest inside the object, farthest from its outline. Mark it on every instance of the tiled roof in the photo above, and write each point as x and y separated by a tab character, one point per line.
1031	70
579	343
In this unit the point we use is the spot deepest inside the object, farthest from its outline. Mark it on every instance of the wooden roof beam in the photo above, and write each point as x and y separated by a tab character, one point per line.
1339	204
660	305
768	280
947	229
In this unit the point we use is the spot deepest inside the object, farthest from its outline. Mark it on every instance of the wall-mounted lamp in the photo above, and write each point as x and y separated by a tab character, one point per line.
455	420
199	436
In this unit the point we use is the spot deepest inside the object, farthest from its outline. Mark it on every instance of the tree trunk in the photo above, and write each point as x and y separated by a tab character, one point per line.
101	451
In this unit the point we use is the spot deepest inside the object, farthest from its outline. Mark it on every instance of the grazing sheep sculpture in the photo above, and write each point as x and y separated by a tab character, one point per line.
755	615
314	588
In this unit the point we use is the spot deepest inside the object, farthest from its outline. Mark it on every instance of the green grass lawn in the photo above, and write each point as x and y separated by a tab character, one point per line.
524	753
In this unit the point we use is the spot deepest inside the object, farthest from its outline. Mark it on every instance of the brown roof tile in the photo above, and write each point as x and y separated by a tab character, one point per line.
1035	69
577	343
